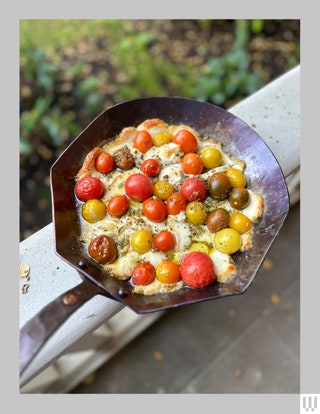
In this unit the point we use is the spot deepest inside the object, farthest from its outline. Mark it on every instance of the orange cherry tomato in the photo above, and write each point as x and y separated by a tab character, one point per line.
143	274
118	205
186	140
168	272
154	209
105	163
164	241
142	141
175	204
192	164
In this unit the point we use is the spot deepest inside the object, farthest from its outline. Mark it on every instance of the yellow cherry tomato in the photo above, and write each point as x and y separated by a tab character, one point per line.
168	272
141	241
211	157
94	210
236	177
162	138
240	222
163	189
199	247
196	212
227	241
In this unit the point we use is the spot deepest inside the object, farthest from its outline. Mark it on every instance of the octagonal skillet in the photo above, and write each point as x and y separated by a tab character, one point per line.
263	174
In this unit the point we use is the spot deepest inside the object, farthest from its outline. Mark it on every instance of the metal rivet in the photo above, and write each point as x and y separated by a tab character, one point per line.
69	299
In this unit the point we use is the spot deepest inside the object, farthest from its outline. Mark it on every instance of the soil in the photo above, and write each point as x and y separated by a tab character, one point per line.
272	53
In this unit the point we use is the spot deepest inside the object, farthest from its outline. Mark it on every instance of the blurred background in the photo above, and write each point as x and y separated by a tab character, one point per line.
72	70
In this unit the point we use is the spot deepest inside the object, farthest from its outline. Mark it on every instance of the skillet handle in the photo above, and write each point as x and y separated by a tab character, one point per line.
38	329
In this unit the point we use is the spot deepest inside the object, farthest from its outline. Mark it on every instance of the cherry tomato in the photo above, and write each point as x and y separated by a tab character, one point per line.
192	164
141	241
239	198
151	167
154	209
162	138
124	159
176	203
227	241
143	274
138	186
88	188
118	205
240	222
168	272
194	189
219	186
142	141
196	212
103	249
105	163
236	177
186	140
211	157
93	210
164	241
163	189
218	219
197	269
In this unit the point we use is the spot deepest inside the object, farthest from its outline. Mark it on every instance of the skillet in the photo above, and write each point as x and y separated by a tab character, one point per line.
264	176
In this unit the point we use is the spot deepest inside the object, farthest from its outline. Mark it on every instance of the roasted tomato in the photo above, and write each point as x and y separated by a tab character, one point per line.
168	272
141	241
194	189
218	219
176	203
105	163
142	141
143	274
124	159
163	189
227	241
93	210
211	157
192	164
239	198
89	188
196	212
154	209
118	205
164	241
103	249
219	186
240	222
197	270
151	167
138	186
186	140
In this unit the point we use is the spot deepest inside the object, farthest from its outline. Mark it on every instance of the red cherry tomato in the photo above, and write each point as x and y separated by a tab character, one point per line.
118	206
143	274
194	189
176	203
138	186
142	141
192	164
164	241
104	163
88	188
197	269
186	140
154	209
151	167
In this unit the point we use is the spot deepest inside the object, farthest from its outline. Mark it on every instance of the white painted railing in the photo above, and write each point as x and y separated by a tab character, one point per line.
102	326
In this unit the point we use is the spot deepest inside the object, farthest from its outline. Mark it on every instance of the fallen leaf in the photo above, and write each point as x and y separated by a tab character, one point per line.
89	378
158	356
275	298
238	372
267	264
24	270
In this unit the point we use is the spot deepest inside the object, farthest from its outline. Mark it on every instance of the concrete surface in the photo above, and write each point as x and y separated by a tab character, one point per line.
248	344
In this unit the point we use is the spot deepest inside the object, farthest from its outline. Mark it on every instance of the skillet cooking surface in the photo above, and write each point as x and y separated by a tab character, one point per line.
262	170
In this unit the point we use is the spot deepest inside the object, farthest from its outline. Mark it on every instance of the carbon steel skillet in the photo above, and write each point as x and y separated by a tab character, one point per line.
264	176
